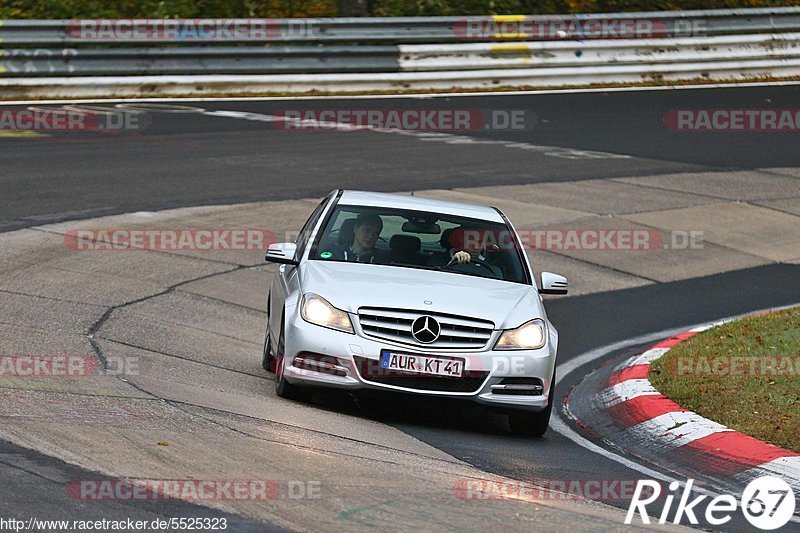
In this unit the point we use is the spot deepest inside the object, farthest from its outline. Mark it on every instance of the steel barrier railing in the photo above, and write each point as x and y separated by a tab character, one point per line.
96	57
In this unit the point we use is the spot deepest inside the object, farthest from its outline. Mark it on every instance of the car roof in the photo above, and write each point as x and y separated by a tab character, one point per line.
419	203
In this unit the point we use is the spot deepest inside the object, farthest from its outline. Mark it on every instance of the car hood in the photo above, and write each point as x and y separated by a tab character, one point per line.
350	286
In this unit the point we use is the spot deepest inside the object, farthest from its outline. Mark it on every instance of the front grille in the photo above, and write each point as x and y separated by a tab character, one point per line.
395	325
371	370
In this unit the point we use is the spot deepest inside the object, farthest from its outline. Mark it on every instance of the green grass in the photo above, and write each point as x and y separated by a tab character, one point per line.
748	395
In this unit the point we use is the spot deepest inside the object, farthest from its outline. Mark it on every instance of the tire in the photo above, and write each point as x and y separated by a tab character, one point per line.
283	388
533	424
267	359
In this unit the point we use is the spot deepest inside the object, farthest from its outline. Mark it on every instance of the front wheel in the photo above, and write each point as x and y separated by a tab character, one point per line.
283	388
267	360
530	424
533	424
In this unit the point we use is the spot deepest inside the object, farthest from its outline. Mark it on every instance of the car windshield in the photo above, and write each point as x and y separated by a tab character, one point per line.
422	240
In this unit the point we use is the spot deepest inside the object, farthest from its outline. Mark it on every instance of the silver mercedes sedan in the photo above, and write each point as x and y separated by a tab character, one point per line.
415	295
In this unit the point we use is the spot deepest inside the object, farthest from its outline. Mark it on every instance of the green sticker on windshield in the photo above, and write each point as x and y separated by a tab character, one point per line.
326	255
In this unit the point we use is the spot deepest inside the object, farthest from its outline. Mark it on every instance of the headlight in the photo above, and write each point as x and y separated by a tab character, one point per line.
529	336
317	310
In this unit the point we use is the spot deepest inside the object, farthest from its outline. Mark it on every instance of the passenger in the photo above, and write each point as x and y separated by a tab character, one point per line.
366	231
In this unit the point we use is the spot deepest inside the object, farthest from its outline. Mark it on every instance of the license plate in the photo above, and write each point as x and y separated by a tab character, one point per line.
422	364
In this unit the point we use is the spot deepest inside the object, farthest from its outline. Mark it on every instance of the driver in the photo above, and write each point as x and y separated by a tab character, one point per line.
367	229
458	253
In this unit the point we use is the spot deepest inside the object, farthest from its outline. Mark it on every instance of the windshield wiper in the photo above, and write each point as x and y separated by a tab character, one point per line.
443	268
411	265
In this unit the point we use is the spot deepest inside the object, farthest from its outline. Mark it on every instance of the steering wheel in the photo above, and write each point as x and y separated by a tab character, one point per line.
485	265
482	263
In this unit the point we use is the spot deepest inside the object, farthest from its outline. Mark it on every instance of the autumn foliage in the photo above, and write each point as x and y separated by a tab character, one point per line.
69	9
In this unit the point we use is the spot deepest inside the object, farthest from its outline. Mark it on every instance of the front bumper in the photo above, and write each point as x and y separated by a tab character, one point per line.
491	377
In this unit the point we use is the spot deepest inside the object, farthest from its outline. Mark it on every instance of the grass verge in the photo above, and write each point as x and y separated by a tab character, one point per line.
744	374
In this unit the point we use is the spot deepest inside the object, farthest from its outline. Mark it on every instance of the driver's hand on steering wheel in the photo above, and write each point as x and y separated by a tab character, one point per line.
459	258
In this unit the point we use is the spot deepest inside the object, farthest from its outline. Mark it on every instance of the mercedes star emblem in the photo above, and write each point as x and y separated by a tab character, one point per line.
426	329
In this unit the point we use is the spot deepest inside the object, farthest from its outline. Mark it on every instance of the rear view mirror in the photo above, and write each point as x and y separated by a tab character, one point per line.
421	227
281	252
553	284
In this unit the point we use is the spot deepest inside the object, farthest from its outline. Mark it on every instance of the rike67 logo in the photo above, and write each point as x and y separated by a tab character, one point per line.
767	502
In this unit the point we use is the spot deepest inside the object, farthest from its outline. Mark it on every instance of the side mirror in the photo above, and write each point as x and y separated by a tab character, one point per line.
553	284
281	252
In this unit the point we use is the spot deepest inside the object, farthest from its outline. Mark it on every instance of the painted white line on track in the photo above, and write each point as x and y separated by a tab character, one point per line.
787	468
567	367
557	424
561	427
317	125
412	95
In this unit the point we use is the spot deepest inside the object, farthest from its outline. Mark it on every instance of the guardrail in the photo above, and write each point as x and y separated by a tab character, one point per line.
101	58
199	60
775	47
411	58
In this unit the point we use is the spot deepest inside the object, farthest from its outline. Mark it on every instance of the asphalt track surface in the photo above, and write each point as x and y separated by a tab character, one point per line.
33	486
184	159
192	159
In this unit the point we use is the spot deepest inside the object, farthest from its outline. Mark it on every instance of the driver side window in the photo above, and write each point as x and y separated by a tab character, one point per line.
305	233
